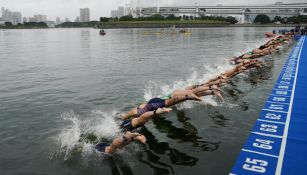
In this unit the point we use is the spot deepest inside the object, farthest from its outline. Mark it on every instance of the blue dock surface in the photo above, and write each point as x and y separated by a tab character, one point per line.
278	142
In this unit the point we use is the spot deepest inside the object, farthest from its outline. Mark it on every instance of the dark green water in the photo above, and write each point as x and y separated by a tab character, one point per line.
60	83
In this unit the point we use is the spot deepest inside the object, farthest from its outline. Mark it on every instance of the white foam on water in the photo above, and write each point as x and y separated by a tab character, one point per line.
69	136
101	124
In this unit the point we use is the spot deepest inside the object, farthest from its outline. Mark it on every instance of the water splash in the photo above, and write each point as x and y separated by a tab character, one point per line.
69	137
75	136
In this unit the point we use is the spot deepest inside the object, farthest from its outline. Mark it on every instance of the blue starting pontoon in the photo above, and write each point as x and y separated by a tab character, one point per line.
278	141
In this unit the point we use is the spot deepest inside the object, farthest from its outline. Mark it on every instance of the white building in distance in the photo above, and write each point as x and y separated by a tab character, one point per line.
39	18
121	12
9	16
16	17
114	13
58	20
84	15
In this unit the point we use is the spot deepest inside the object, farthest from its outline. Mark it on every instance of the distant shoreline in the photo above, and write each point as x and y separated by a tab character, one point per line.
183	25
129	25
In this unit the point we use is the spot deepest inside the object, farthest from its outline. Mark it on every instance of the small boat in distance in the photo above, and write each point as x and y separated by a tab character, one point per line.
102	32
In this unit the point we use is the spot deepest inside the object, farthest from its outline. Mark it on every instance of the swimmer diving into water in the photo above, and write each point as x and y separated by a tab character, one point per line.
120	142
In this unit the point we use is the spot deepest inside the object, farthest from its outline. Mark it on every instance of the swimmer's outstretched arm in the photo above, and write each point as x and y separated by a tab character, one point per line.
201	88
183	96
211	92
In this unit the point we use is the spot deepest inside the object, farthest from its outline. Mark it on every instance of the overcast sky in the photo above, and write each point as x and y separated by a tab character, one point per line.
70	8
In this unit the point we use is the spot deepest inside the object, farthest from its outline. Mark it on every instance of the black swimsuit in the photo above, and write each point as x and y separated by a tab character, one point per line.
127	125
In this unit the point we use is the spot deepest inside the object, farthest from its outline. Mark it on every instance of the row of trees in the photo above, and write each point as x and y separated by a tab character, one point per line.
78	24
26	25
262	18
158	17
265	19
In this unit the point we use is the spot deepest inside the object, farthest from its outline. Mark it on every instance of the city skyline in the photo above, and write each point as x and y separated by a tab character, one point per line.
70	8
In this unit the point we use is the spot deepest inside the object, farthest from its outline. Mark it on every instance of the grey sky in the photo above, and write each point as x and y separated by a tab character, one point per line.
70	8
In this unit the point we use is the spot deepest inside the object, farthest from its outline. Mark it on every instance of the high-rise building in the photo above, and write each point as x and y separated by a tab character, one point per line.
58	20
2	11
40	18
13	17
6	15
121	11
84	15
16	17
114	13
67	19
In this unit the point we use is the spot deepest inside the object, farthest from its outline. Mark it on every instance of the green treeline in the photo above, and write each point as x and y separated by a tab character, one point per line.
78	24
25	25
265	19
160	20
158	17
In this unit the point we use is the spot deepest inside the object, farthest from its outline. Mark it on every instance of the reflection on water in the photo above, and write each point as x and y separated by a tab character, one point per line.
175	156
188	133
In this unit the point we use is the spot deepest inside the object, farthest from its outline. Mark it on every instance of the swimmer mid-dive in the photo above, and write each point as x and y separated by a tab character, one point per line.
153	104
120	142
174	98
134	123
269	47
224	77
